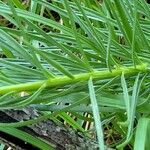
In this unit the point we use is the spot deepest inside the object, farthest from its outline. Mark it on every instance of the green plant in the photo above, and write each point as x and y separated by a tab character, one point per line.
95	59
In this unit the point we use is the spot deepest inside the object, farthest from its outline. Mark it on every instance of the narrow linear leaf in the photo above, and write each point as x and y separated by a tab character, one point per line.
96	115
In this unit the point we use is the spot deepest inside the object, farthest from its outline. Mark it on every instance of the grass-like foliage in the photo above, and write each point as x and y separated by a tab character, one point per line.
84	61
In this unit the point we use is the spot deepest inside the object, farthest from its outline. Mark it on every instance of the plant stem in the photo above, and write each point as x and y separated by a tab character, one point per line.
64	80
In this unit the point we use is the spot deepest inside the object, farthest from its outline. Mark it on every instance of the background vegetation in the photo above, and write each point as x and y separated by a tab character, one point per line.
85	63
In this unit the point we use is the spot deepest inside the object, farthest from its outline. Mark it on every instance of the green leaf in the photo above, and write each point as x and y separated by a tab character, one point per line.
96	115
27	138
143	128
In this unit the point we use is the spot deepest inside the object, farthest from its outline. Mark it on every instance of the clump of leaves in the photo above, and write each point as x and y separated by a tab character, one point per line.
91	65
